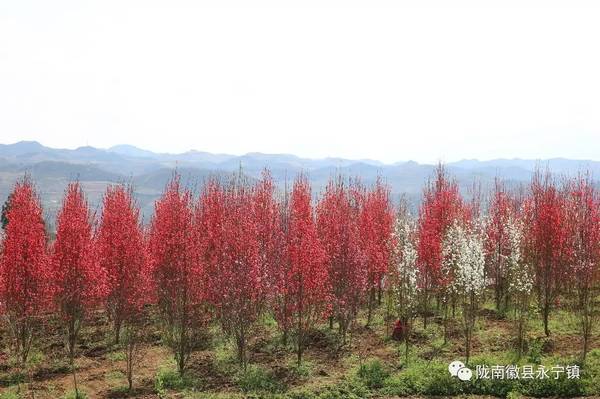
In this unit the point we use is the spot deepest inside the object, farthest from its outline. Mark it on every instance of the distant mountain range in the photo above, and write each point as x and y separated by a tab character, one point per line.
95	168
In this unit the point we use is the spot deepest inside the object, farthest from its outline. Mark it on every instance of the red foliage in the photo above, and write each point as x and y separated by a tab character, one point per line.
122	257
338	214
24	268
584	270
441	205
547	239
307	286
272	222
177	270
269	231
78	281
584	224
209	214
376	225
229	231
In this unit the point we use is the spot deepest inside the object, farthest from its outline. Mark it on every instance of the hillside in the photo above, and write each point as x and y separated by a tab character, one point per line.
53	168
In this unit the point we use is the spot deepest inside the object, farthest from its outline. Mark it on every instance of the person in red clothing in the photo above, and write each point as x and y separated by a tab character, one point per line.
399	330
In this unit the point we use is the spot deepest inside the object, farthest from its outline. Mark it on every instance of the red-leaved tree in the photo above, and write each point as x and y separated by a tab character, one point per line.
24	269
376	226
177	270
308	287
281	273
270	235
78	280
547	240
440	207
122	257
338	214
584	225
227	225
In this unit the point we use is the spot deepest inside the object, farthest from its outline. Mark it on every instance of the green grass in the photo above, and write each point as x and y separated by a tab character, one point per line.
116	356
75	395
302	371
11	393
169	379
257	379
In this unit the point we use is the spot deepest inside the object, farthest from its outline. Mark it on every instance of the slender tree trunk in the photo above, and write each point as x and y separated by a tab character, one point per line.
371	304
453	305
242	349
117	330
285	336
445	323
73	371
407	329
545	314
300	325
425	308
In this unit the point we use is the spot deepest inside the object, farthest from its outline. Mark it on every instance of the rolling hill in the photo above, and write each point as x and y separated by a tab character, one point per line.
53	168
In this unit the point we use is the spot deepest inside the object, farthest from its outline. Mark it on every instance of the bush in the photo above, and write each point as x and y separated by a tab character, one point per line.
536	350
424	379
11	394
304	370
562	387
514	395
372	374
116	356
257	379
75	395
168	378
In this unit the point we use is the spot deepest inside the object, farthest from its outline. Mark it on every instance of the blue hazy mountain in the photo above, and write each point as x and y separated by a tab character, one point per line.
53	168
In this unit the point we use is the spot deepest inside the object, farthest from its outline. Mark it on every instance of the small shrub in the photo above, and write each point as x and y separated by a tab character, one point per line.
225	357
536	350
372	374
347	389
424	379
12	378
257	379
169	378
10	395
75	395
116	356
304	370
561	387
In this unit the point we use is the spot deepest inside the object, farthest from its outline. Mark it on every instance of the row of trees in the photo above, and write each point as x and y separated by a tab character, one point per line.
233	253
539	242
241	249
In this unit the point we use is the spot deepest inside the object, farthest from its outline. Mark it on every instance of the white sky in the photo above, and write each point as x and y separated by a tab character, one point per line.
391	81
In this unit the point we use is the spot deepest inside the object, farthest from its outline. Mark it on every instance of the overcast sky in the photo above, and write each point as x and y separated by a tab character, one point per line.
390	81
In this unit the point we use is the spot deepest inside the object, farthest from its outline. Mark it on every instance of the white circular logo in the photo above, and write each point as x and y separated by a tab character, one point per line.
465	374
454	367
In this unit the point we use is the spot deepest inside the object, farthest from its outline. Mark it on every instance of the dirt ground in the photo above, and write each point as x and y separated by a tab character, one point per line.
101	365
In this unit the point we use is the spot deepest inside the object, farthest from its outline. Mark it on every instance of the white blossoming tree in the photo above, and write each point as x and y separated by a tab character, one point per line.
452	247
520	282
469	280
403	293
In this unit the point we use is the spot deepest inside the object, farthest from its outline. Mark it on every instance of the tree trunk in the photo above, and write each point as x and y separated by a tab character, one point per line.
445	323
117	330
371	304
545	312
285	336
